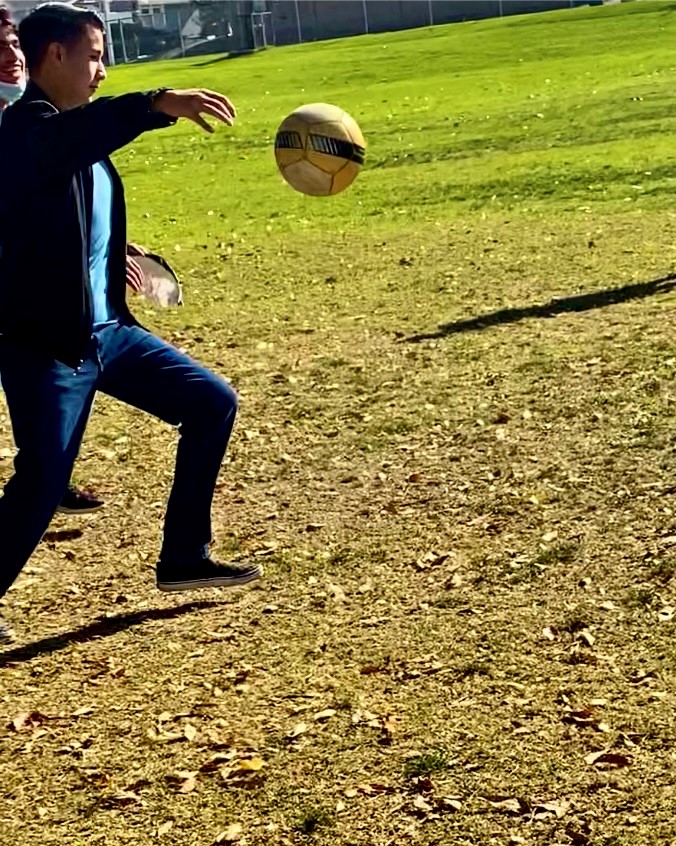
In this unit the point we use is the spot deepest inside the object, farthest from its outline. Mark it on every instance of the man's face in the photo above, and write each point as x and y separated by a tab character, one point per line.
12	64
82	68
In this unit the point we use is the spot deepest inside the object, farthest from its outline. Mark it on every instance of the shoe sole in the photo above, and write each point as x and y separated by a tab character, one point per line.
88	510
216	581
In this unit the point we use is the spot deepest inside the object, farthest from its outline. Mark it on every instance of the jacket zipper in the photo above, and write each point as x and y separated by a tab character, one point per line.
86	289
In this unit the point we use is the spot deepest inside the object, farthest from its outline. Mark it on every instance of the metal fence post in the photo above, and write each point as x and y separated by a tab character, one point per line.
300	31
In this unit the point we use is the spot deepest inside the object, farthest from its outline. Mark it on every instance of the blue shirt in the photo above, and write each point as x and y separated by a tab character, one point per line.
99	244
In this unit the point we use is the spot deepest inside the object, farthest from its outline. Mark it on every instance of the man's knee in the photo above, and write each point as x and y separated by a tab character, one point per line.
218	405
224	400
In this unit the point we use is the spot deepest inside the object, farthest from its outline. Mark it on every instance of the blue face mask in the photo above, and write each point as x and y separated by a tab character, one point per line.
11	91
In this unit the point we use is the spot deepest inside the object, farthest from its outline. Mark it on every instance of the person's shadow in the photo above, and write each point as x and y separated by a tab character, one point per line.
576	303
103	627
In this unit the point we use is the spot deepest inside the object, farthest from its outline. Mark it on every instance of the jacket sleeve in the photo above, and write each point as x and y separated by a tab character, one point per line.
56	144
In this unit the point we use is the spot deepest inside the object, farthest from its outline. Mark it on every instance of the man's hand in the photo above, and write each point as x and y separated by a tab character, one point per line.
134	275
194	103
135	250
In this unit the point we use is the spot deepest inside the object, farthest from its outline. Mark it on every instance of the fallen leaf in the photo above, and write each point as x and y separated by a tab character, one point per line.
232	834
448	803
81	712
368	717
608	760
372	669
580	716
183	781
164	737
545	809
421	805
297	730
229	635
368	789
249	765
27	720
389	726
509	804
121	800
188	785
587	637
430	559
326	714
371	622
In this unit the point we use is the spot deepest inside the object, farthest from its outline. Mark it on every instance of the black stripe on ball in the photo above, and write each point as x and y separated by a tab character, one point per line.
337	147
288	141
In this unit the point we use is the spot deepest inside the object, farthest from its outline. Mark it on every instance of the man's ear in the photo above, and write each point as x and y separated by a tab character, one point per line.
55	52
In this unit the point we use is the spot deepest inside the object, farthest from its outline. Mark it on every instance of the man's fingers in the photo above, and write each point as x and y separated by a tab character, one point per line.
193	102
221	98
199	120
215	109
134	275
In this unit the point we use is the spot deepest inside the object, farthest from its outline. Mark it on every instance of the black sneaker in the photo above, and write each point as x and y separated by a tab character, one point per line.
6	633
79	502
204	573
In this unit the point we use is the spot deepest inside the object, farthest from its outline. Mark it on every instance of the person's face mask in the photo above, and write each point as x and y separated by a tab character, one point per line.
11	91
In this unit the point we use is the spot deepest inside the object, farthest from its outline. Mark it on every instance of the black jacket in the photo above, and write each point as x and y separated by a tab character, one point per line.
45	216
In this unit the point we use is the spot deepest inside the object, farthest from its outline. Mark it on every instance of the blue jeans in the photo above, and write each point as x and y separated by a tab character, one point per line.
49	405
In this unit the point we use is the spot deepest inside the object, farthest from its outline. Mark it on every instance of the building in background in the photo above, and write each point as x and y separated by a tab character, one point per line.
147	29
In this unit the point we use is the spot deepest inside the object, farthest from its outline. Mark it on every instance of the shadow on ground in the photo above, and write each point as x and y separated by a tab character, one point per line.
577	303
93	631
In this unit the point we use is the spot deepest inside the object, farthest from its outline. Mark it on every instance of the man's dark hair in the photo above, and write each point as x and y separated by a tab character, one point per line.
6	18
50	23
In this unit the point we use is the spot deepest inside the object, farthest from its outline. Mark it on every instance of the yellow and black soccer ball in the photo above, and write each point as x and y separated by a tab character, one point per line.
319	149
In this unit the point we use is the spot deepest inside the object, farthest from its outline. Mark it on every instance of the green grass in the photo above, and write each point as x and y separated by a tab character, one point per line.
526	115
428	763
454	456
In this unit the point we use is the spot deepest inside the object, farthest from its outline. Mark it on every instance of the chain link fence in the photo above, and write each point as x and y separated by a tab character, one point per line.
140	30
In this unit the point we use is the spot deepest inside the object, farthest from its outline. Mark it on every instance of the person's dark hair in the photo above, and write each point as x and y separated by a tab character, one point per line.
6	18
50	23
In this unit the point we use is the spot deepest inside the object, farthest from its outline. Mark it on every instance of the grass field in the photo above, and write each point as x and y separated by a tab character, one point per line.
455	457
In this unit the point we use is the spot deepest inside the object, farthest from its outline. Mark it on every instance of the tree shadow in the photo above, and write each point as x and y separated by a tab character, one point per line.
224	58
93	631
577	303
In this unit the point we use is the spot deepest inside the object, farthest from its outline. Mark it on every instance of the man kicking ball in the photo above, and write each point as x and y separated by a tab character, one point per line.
66	331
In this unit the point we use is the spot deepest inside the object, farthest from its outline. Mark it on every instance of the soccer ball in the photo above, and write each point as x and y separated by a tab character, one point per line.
319	149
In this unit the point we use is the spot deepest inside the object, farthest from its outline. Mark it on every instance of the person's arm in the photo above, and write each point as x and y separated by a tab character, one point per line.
58	143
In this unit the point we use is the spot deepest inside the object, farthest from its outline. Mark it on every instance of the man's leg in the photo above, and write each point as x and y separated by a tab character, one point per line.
144	371
77	500
49	405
